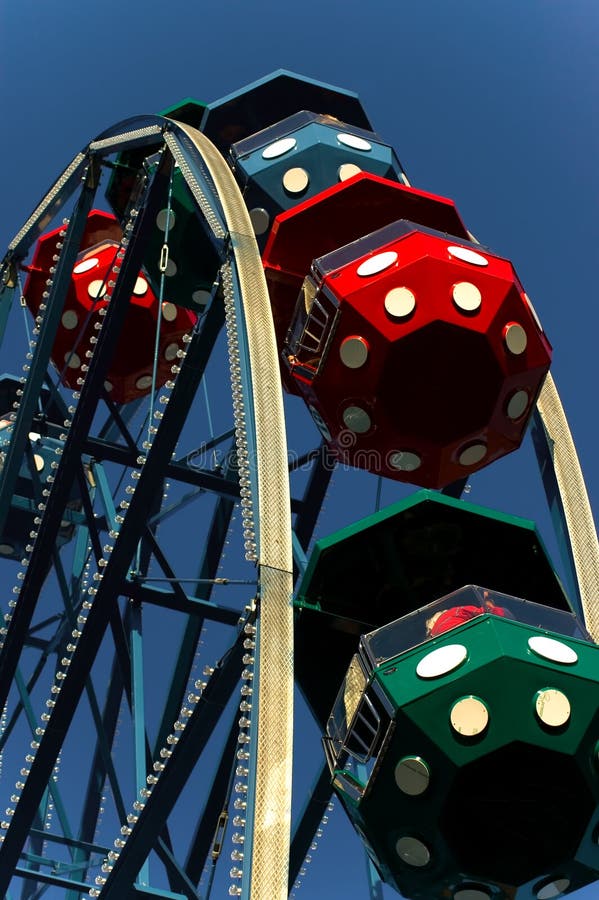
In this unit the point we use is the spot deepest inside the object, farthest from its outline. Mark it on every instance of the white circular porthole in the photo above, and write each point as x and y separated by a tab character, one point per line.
400	302
552	707
517	405
353	352
347	170
354	141
201	298
515	338
260	219
85	265
472	893
554	650
405	461
441	661
169	311
469	716
472	454
412	775
467	255
171	351
72	360
466	297
553	889
412	851
279	148
70	319
356	419
165	216
140	287
375	264
295	181
96	289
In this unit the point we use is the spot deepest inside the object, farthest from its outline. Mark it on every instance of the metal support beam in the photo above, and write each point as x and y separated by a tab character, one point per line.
193	627
52	786
124	456
193	606
314	494
39	365
138	711
134	892
82	420
185	754
543	446
305	829
216	801
455	489
18	709
98	773
52	838
114	573
178	879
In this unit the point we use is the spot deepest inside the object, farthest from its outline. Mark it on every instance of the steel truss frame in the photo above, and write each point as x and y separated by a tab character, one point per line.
121	622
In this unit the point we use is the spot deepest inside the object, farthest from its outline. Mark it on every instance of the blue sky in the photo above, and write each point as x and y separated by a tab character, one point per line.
492	104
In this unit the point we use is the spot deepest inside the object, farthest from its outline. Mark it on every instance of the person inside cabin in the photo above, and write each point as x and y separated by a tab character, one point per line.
491	607
446	619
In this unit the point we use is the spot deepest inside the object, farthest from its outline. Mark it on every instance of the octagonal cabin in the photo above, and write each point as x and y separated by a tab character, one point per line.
301	156
335	217
420	357
399	560
192	261
272	98
93	278
463	745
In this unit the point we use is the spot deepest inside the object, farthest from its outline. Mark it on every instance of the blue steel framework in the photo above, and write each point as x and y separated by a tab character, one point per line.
113	443
103	435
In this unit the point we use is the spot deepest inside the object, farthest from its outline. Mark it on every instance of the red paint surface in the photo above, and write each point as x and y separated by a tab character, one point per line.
133	358
436	381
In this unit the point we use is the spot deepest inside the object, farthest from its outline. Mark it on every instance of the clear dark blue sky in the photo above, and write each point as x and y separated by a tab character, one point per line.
491	103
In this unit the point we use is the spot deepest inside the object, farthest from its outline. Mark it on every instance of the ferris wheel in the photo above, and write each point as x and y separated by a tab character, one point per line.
153	529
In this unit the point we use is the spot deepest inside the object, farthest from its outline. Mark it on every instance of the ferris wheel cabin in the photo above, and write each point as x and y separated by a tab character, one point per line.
463	740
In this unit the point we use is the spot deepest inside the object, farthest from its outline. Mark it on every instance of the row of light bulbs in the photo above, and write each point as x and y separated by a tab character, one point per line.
249	546
242	786
313	847
239	419
60	674
243	753
160	765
